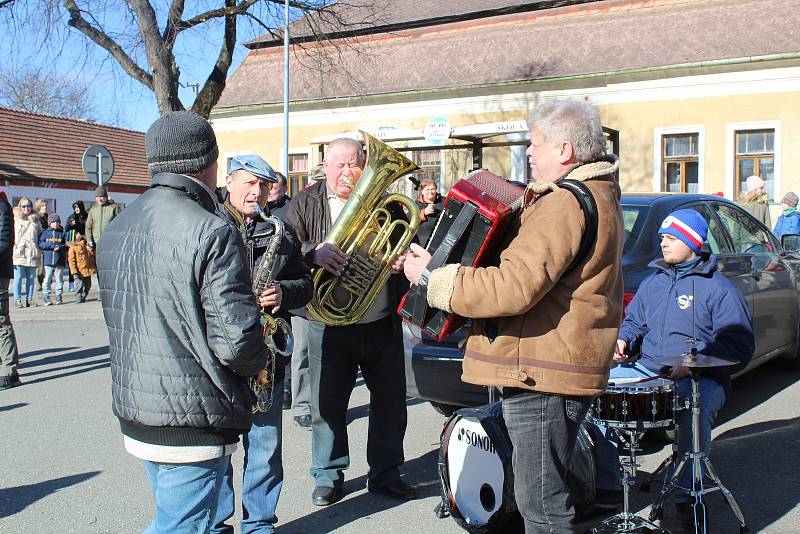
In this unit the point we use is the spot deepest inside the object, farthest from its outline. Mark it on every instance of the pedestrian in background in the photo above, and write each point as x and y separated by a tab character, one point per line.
9	356
53	244
100	216
82	267
789	221
756	201
26	254
40	211
430	204
76	224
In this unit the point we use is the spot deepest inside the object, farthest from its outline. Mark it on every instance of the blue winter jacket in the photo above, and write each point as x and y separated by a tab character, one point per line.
788	224
659	319
48	241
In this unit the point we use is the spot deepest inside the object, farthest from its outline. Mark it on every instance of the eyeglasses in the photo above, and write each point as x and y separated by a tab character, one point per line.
26	206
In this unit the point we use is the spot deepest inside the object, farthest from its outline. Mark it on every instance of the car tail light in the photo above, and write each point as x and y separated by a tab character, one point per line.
626	299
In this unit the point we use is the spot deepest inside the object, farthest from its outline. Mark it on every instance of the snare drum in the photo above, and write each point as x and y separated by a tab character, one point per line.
631	403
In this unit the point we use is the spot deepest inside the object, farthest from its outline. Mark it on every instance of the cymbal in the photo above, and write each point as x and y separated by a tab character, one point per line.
687	359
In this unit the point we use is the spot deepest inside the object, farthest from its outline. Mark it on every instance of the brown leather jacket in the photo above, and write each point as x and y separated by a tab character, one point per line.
538	327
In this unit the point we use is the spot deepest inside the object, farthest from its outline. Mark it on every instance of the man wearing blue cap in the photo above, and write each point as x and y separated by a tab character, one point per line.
248	184
700	302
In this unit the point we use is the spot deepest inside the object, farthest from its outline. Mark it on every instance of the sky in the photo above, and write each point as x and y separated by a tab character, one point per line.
117	98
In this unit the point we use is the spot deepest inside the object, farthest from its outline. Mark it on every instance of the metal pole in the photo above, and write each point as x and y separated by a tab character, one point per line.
286	88
99	169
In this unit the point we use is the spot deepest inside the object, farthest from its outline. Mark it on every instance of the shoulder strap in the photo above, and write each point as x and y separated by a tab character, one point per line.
589	207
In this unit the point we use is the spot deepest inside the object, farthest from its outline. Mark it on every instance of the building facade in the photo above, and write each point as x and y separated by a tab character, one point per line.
698	94
41	156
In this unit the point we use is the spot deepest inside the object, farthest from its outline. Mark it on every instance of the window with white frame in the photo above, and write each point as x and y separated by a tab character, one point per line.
680	157
297	177
754	155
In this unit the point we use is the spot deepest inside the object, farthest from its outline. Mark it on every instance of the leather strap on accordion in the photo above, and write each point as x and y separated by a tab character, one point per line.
439	257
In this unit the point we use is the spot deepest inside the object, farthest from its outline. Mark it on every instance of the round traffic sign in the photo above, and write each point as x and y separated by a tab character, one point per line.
98	164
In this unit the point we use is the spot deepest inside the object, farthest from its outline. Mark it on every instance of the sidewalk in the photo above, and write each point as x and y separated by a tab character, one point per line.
69	311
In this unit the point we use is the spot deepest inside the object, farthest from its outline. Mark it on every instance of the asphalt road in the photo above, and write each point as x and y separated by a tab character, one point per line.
65	469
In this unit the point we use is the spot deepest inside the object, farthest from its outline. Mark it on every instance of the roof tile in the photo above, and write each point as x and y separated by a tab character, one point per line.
45	147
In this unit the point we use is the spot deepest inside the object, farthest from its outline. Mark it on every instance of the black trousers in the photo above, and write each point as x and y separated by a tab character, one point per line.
336	353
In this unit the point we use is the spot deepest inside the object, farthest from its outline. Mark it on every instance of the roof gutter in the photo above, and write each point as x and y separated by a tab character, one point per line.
746	60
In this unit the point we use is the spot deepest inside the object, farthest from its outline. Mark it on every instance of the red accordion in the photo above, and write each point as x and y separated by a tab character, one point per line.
470	228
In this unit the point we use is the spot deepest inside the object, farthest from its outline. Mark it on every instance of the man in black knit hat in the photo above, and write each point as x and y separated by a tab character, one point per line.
184	330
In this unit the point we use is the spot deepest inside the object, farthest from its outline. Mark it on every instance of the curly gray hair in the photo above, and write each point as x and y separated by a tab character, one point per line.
574	121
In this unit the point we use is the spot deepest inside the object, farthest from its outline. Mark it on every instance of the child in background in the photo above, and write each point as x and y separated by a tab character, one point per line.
81	265
54	245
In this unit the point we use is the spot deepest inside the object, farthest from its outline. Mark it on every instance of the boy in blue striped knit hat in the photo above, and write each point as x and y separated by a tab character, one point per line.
701	303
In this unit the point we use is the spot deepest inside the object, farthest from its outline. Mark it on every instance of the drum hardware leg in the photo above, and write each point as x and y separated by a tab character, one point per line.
627	522
665	467
442	509
697	461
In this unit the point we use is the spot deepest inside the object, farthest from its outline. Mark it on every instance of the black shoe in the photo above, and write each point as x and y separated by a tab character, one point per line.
303	421
15	378
287	399
7	382
396	489
323	495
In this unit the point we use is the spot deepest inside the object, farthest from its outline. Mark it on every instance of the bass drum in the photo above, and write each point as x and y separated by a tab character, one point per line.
478	479
475	471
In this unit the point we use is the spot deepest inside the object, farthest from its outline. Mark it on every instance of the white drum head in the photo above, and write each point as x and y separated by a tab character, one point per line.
475	472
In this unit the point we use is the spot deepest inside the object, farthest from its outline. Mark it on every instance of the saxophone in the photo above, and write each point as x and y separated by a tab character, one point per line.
277	332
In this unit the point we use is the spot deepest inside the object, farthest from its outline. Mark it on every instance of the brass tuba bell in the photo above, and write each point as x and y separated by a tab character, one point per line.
364	231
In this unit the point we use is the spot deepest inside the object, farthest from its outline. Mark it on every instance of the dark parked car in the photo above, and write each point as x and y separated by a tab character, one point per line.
747	252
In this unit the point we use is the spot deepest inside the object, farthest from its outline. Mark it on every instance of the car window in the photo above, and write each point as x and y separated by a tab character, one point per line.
747	236
716	236
633	219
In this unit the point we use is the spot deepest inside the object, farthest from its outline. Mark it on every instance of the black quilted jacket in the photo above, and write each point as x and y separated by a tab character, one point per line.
183	326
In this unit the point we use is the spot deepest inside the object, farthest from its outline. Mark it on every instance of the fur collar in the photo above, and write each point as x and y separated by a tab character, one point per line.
601	168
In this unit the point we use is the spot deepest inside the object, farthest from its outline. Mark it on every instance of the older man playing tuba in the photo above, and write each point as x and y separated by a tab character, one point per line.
336	353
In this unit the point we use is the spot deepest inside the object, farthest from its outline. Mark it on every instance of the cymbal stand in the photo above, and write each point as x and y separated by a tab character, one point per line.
626	522
699	463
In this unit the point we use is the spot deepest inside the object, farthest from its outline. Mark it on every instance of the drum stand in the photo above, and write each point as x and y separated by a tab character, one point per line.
626	521
699	463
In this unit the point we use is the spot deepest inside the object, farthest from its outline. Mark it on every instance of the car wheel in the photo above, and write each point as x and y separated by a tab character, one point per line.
445	409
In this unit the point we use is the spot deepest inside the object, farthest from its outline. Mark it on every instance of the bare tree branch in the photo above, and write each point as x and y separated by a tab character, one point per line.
212	89
77	21
173	18
130	32
226	11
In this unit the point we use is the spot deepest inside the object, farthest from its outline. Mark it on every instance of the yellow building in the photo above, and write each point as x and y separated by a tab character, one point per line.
701	93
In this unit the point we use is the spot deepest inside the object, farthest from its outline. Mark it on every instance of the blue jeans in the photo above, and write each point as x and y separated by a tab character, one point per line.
263	474
50	272
712	398
335	354
29	275
543	429
186	495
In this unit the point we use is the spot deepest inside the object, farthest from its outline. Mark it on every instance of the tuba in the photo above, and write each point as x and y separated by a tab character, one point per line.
277	332
364	231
